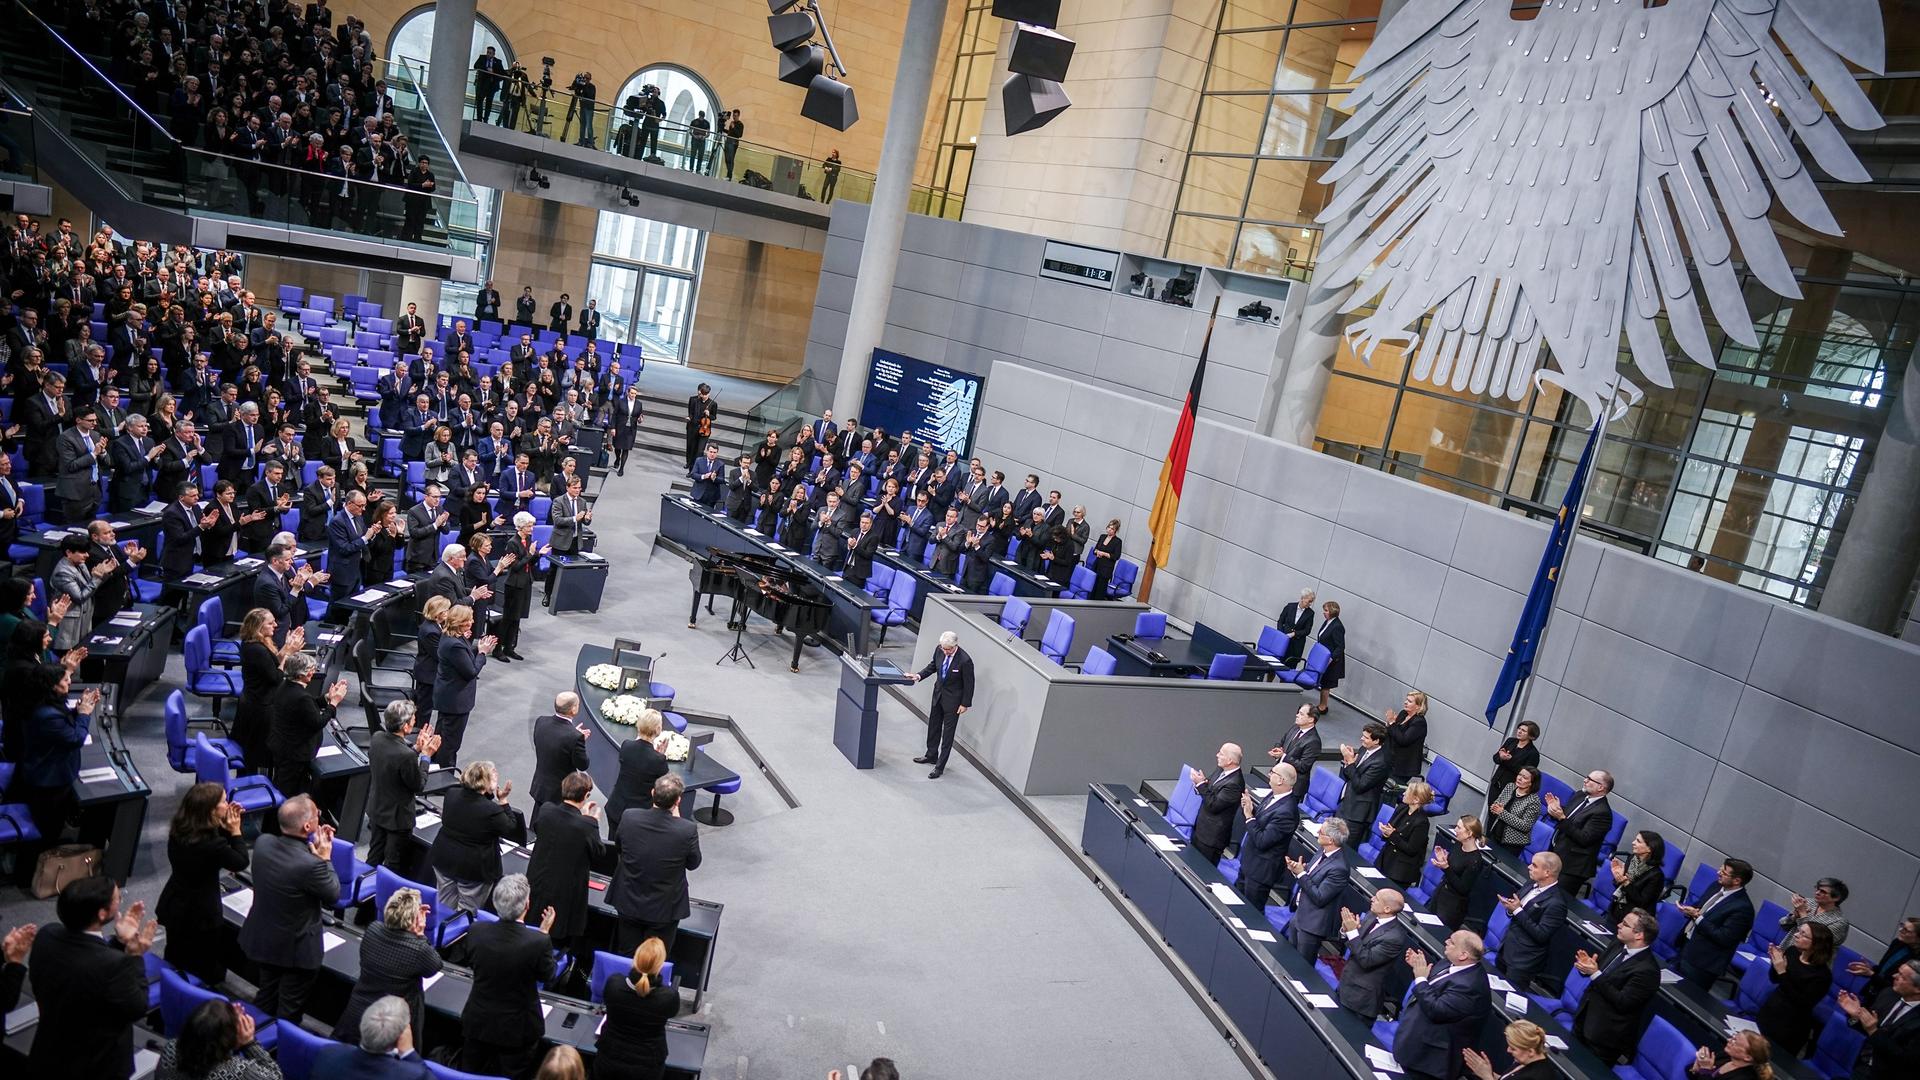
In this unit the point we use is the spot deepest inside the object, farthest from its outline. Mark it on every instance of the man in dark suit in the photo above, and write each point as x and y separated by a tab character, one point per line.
397	772
861	551
409	331
385	1050
424	522
1614	1009
1322	881
1537	914
1271	821
949	539
1581	829
590	319
846	441
1219	801
486	304
278	588
1300	748
90	991
240	448
702	413
1375	945
103	547
1364	769
1296	621
347	536
708	473
560	314
952	671
919	525
180	527
1717	926
319	502
293	882
449	579
179	461
130	459
82	458
502	1025
1892	1026
274	494
837	521
559	748
649	887
1445	1010
1028	499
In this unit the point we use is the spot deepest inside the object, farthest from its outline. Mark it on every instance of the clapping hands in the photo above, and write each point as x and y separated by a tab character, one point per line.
134	930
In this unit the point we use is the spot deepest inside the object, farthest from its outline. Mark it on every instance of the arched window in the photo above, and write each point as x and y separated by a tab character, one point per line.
685	93
412	40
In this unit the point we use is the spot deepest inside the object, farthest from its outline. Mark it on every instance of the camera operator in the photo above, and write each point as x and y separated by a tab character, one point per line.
629	137
652	111
584	92
513	97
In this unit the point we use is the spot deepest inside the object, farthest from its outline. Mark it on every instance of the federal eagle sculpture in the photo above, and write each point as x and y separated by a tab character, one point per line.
1542	183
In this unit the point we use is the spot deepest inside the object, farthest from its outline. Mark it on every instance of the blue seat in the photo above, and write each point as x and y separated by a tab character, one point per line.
879	579
1538	840
1125	573
1666	944
1370	847
1766	931
291	297
296	1050
675	721
1568	1003
713	815
1664	1054
1705	877
661	693
179	997
1497	924
608	965
1227	667
356	877
1318	659
1014	616
1614	832
253	794
1444	777
1836	1048
1057	641
1098	662
179	745
900	596
16	825
1844	981
1001	585
442	927
1324	788
1183	805
1272	642
203	679
1150	624
1670	863
1755	984
1560	789
212	614
1079	584
1422	891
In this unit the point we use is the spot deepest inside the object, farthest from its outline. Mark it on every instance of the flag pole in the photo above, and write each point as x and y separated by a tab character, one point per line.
1519	709
1146	572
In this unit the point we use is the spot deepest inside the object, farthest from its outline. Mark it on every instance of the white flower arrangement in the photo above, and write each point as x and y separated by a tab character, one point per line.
624	709
604	676
673	746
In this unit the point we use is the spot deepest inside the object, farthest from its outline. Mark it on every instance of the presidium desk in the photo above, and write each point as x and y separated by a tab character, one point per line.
1046	729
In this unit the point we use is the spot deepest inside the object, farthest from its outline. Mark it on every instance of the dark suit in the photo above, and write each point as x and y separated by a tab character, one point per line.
132	472
649	887
860	553
337	1062
1577	839
640	766
297	717
1371	956
1219	805
558	749
567	847
346	543
1300	749
952	691
1406	746
291	886
448	582
1707	948
397	773
1403	857
180	535
1360	802
1893	1050
502	1025
1264	846
1614	1009
1316	915
1442	1017
453	693
317	507
271	591
708	474
1297	623
90	995
1523	952
472	825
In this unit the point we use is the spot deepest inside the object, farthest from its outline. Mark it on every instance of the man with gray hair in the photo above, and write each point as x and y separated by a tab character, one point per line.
240	446
952	669
1323	881
130	458
423	524
386	1047
397	774
296	718
502	1023
293	882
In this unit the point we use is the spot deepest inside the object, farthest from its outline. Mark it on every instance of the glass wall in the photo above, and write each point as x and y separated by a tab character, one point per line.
643	277
412	41
967	90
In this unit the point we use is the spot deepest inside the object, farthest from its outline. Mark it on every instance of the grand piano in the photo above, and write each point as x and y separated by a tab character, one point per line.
760	585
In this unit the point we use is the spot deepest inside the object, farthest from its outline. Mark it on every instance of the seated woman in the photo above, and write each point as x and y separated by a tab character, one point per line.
216	1043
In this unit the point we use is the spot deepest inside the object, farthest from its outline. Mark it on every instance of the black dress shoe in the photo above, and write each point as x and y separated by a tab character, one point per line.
935	774
505	658
923	761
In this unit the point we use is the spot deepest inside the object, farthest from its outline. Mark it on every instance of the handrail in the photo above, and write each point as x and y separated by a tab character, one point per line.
420	91
82	57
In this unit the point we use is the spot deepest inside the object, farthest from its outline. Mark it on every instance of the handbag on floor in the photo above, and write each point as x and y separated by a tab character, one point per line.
60	865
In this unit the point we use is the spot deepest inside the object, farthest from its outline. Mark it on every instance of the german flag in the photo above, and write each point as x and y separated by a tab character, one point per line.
1173	471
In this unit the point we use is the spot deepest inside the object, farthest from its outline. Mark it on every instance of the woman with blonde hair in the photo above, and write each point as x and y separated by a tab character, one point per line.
633	1041
456	686
426	656
1746	1056
1406	833
1406	737
640	765
260	676
394	958
1459	872
1527	1046
466	854
562	1063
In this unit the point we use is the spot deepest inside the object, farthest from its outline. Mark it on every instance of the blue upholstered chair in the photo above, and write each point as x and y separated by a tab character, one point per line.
1057	641
1098	662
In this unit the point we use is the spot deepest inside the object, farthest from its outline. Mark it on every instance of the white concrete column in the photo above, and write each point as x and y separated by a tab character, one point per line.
1880	551
893	184
448	66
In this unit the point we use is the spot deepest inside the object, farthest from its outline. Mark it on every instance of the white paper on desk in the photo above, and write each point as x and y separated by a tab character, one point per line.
332	941
590	556
368	596
126	618
1669	976
1747	956
1428	918
202	579
1517	1002
427	983
1268	659
1738	1024
425	819
23	1017
546	1010
1380	1058
1262	935
328	751
1299	986
1322	1001
1595	929
102	639
121	524
98	774
777	547
1223	892
834	577
1556	1042
1370	872
247	563
1500	984
751	532
1237	922
1163	843
239	902
506	847
145	1062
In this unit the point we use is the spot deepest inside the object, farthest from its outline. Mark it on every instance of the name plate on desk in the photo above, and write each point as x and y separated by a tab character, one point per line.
98	775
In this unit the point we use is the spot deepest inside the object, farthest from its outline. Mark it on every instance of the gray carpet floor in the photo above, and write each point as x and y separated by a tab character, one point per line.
927	921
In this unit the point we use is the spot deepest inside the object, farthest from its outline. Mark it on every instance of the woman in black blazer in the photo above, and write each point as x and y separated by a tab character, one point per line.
1802	973
1639	882
1106	556
202	842
1518	752
1407	738
519	591
260	676
1403	855
474	516
1333	634
394	958
1527	1046
466	853
633	1041
482	570
426	657
1459	872
456	685
640	766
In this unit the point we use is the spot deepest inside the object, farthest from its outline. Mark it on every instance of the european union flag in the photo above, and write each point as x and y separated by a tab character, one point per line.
1539	608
